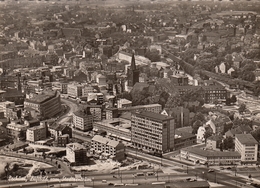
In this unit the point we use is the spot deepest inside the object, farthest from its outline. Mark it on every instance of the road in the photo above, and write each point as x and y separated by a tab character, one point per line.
73	108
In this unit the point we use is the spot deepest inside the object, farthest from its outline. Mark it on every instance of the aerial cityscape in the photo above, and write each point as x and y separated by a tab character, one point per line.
130	93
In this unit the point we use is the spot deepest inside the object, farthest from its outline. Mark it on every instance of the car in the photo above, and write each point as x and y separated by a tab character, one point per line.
222	168
229	168
211	170
104	181
248	183
111	184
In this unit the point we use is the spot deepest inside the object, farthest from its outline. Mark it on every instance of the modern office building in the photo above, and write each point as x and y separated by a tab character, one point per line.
152	131
47	104
247	146
83	120
107	148
76	153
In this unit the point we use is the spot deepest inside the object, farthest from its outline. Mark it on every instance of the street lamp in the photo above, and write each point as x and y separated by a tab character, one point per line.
93	181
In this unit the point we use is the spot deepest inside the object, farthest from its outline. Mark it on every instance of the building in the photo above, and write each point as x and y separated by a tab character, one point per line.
96	111
213	142
117	128
247	146
63	140
47	105
181	116
111	113
156	108
74	90
64	88
107	148
36	133
76	154
5	105
83	120
86	90
209	157
152	131
16	131
132	73
124	103
183	139
57	130
179	79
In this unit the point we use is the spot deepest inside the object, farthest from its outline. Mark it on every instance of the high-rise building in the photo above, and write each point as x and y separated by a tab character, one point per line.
133	73
152	132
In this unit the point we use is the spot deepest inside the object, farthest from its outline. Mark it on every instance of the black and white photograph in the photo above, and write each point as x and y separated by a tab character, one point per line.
130	93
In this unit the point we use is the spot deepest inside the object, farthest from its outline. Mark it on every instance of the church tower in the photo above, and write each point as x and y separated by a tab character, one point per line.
133	73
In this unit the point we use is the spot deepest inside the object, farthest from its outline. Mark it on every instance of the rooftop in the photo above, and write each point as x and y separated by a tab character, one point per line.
75	146
211	153
105	140
153	115
40	98
246	139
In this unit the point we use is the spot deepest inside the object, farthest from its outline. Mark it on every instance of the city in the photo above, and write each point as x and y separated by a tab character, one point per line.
123	93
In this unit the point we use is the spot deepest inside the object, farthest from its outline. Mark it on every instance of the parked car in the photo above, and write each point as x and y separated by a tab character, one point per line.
211	170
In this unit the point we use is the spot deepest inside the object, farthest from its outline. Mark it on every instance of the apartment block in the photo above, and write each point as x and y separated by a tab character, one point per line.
16	131
83	120
74	90
247	146
152	131
36	133
107	148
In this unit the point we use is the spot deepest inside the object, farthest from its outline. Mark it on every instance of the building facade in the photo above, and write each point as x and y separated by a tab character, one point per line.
153	132
16	131
197	155
247	146
74	90
47	105
107	148
76	153
36	133
83	120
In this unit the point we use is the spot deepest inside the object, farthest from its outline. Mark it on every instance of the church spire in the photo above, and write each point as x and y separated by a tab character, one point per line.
133	65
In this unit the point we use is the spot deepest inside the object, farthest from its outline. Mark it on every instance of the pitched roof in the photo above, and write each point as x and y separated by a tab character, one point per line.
58	127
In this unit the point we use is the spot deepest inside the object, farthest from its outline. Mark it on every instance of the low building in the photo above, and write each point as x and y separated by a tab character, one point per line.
183	139
4	105
247	146
74	90
83	120
96	111
76	154
36	133
108	148
156	108
209	157
117	128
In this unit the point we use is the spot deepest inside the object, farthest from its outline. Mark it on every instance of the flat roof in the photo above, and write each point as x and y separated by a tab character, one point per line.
246	139
104	140
211	153
153	115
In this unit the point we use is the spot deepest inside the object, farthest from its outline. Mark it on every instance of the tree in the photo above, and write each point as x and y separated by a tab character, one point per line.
196	126
242	108
228	143
207	134
153	55
228	101
233	99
